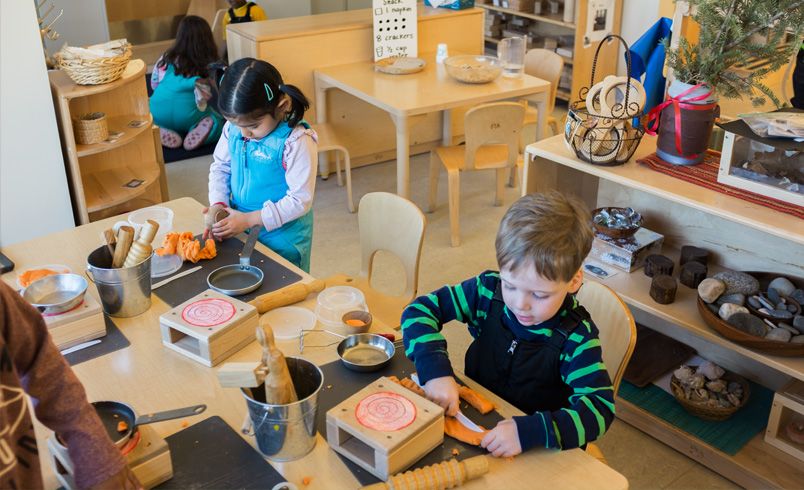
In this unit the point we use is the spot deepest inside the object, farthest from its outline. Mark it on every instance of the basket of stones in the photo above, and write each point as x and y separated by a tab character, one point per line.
616	222
708	391
758	310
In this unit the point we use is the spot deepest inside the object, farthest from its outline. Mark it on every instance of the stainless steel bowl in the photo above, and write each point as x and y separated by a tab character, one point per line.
365	352
56	293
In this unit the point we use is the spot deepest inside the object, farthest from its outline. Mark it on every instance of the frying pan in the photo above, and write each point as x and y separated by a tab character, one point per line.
111	413
365	352
242	278
56	293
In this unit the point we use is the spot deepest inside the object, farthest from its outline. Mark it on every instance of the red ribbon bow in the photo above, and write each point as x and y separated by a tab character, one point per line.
679	102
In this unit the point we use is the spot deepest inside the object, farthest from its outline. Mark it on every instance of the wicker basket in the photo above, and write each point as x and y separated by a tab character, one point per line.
94	71
90	128
703	411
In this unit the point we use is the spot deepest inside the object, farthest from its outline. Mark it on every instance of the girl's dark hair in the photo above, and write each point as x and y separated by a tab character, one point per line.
193	50
253	88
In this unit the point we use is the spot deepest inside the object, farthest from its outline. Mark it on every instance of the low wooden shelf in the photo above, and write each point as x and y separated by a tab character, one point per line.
106	188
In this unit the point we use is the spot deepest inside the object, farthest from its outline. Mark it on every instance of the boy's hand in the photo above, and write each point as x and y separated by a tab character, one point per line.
237	222
503	440
444	392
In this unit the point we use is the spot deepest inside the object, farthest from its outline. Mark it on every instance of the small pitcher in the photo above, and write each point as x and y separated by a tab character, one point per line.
511	51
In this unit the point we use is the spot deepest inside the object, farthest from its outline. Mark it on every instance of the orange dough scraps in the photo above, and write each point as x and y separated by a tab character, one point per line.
32	275
122	426
457	430
481	403
409	384
187	247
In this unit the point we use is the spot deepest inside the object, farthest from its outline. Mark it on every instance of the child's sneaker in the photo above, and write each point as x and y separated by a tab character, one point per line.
170	138
198	134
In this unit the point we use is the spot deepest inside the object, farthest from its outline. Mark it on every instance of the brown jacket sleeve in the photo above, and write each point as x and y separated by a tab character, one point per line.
58	397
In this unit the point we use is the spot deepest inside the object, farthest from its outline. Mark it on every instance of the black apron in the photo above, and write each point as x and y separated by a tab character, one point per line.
524	373
246	18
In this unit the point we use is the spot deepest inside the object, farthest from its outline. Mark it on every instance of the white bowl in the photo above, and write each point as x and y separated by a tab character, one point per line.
334	302
160	214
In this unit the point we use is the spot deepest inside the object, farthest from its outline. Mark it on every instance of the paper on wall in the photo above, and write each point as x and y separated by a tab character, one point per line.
395	28
599	20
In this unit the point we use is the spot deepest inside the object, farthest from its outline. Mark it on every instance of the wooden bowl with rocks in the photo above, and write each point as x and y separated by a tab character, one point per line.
723	302
708	391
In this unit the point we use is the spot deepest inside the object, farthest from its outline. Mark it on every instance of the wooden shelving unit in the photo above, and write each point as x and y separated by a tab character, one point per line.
117	175
553	25
740	236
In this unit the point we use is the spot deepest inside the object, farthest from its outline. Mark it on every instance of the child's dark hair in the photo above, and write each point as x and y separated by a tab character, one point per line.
253	88
193	50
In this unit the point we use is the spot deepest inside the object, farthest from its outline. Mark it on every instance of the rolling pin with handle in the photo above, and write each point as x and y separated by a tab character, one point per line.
141	249
286	296
447	474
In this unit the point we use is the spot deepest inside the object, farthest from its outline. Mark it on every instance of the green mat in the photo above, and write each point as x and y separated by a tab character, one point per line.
728	436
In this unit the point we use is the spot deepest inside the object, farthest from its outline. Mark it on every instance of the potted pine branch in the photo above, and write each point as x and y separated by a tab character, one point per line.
732	34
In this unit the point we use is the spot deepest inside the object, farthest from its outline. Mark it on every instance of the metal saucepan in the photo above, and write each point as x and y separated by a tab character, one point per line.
56	293
112	413
242	278
365	352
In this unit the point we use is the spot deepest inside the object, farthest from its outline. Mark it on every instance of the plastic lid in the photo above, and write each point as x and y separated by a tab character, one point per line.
164	265
287	322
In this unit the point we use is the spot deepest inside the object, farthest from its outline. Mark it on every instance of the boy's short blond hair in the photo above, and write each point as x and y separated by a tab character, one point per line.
552	231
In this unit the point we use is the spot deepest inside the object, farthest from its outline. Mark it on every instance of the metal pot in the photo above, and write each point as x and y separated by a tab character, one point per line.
242	278
365	352
56	293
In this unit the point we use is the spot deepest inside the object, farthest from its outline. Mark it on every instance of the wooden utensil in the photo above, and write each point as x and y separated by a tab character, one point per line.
109	239
447	474
287	295
125	235
279	389
141	249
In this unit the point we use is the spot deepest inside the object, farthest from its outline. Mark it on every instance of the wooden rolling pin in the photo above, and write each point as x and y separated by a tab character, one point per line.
279	389
286	296
448	474
125	235
141	249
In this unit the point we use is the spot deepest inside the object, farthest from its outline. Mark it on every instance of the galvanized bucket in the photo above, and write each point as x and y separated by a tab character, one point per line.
287	432
124	292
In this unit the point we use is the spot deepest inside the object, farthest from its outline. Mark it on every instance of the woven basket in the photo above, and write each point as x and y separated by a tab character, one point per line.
703	411
90	128
94	71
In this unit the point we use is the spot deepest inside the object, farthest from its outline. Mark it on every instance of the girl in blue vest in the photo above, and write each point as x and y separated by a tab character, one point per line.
181	91
263	169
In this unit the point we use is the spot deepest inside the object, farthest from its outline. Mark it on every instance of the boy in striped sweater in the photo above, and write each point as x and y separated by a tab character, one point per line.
534	345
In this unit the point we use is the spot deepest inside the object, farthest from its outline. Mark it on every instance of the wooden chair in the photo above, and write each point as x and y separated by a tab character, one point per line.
492	142
328	141
393	224
547	65
617	334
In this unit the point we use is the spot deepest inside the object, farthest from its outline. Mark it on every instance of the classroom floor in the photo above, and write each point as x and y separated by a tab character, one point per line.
647	463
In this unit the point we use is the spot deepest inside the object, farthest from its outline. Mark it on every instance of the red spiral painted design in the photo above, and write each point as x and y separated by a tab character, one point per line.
208	312
385	411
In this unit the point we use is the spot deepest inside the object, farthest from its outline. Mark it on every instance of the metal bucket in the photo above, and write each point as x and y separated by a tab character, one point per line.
124	292
287	432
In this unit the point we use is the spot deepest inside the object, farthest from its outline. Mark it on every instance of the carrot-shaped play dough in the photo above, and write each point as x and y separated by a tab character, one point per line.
470	396
457	430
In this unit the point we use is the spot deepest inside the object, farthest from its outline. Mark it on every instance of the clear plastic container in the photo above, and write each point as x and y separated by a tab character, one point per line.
336	301
160	214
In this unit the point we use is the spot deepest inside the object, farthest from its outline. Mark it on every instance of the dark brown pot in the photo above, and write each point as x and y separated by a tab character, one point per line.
696	129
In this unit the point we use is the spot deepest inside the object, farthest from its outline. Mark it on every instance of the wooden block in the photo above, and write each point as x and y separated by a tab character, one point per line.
663	289
788	406
656	264
241	374
209	327
73	327
692	273
384	446
688	253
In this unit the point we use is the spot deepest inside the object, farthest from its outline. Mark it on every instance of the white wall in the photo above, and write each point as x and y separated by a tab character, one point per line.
34	198
83	22
638	16
279	9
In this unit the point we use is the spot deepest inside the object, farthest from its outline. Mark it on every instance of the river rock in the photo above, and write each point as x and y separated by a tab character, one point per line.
738	282
748	323
765	303
798	296
754	302
792	308
788	328
798	339
780	314
779	334
736	299
710	289
773	296
798	322
728	309
782	285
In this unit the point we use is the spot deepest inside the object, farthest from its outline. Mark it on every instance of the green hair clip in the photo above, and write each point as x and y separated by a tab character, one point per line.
268	92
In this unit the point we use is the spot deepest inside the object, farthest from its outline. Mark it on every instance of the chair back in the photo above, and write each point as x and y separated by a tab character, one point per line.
547	65
494	130
616	325
394	224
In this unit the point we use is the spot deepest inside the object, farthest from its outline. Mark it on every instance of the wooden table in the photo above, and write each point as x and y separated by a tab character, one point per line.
431	90
151	377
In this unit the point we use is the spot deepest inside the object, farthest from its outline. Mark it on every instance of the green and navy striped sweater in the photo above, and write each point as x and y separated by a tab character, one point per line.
591	409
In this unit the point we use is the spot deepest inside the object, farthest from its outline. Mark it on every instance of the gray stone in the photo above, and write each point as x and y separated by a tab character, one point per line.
736	298
781	306
713	308
749	324
798	322
788	328
792	308
764	311
773	296
779	334
710	289
781	314
798	339
754	302
798	296
769	323
728	309
738	282
782	285
765	303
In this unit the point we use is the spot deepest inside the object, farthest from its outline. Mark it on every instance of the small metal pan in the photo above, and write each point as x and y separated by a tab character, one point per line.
56	293
365	352
242	278
112	413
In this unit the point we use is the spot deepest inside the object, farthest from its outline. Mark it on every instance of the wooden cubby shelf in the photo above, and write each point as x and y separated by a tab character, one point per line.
117	124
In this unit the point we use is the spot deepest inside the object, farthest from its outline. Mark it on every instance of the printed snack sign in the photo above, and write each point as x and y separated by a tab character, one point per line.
395	29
